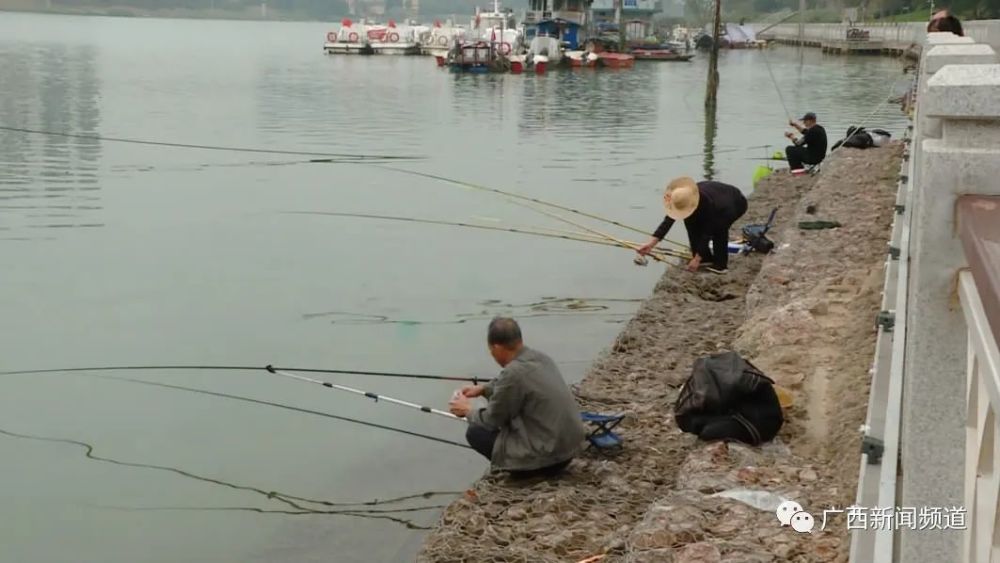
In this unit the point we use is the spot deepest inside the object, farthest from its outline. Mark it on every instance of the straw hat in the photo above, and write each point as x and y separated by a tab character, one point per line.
681	198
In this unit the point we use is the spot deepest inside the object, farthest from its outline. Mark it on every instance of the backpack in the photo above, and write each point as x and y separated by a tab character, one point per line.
755	235
726	385
856	138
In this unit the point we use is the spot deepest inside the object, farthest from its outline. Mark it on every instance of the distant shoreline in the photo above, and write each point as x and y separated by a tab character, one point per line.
274	15
130	12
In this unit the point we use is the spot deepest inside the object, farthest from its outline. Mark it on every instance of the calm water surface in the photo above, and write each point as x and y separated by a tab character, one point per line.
127	254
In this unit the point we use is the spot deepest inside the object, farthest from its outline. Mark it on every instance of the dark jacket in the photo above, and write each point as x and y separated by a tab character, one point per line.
535	412
814	141
718	206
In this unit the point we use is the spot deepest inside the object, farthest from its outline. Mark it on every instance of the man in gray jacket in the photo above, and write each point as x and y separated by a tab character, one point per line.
531	423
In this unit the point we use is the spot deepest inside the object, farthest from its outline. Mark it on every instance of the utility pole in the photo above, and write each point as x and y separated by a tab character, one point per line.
713	61
621	25
802	23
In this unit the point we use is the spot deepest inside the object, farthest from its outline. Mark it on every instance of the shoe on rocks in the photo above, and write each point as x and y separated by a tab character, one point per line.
716	270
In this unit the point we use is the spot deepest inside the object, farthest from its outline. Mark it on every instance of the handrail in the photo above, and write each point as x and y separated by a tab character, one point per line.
982	458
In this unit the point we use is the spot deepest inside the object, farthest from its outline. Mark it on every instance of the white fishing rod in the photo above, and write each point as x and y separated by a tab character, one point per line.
373	396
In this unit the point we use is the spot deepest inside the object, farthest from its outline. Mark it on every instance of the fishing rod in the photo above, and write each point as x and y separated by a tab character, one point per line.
688	155
774	81
202	147
373	396
514	195
249	368
617	241
285	407
517	230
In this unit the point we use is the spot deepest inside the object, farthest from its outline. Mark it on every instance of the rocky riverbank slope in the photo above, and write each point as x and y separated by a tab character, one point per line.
805	315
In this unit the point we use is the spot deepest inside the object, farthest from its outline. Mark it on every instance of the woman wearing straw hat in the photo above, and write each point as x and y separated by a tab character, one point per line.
708	209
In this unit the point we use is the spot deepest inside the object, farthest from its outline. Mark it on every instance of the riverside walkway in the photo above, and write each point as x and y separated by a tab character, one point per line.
932	438
887	38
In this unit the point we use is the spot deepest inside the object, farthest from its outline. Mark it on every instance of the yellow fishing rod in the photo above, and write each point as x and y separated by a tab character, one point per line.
659	254
514	195
618	242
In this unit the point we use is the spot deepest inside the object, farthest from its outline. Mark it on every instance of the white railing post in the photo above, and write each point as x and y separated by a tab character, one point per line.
966	159
982	430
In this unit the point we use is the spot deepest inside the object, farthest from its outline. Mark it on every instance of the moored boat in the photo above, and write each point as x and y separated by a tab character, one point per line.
601	52
581	59
542	52
365	39
348	40
391	39
477	57
659	53
440	39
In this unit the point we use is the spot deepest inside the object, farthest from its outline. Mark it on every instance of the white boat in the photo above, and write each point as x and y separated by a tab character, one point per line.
441	39
498	27
368	39
348	40
542	52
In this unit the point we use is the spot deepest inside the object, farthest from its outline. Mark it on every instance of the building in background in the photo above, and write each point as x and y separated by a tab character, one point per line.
637	15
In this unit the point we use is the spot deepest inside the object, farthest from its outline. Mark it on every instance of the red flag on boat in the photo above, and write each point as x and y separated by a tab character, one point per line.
392	23
346	22
493	36
437	23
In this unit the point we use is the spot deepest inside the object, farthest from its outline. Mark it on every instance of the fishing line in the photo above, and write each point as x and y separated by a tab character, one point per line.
408	523
517	230
204	147
270	495
250	368
689	155
878	107
285	407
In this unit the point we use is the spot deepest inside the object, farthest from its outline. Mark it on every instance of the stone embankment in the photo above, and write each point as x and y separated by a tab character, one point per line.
805	315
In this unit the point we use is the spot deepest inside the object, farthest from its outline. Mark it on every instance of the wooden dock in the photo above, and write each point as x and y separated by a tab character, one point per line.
849	46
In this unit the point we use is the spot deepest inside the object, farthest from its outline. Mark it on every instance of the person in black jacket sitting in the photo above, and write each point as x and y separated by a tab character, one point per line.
708	209
808	149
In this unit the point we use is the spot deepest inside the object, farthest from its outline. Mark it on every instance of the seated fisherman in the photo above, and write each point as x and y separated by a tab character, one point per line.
708	209
531	423
811	147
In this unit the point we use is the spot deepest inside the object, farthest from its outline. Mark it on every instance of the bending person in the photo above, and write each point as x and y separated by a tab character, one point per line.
708	210
531	424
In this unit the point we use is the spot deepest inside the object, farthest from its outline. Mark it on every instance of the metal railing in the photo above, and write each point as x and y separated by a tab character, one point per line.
896	34
880	441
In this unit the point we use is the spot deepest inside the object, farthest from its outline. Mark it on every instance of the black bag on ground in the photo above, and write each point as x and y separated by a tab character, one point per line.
755	235
727	398
757	239
856	138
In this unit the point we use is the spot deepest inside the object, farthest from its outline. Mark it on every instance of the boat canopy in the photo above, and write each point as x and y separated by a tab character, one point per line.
564	30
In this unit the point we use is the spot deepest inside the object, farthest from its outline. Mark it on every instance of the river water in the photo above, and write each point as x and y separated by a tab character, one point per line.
127	254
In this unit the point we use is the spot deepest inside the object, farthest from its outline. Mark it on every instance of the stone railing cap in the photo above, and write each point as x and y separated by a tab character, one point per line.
964	91
941	55
946	38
